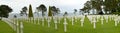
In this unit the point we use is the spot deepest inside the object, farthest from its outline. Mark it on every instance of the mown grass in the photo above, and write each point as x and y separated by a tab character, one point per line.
76	28
5	28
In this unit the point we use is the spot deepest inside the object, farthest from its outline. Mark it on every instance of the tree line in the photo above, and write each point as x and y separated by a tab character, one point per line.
100	6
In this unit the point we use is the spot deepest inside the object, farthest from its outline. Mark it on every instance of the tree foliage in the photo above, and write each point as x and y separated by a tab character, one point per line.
42	8
65	14
49	11
75	10
24	11
30	11
110	6
55	10
4	11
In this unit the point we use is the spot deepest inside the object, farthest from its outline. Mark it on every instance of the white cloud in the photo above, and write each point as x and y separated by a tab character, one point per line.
64	5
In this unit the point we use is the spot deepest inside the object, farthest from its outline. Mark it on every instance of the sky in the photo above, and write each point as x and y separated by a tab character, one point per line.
63	5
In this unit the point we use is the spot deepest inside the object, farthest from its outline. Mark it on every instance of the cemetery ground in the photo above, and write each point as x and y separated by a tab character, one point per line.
37	26
84	24
5	28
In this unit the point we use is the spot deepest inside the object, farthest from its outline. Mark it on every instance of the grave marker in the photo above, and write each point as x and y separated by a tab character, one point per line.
72	21
82	21
106	19
55	24
43	22
102	20
116	22
17	27
94	23
65	25
48	22
21	27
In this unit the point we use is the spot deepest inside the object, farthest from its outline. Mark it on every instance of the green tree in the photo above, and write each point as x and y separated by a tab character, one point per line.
4	11
65	14
15	16
42	8
24	11
111	6
30	11
50	11
75	10
93	5
87	7
55	10
96	5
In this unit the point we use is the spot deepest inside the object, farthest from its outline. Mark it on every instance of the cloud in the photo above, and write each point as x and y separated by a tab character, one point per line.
64	5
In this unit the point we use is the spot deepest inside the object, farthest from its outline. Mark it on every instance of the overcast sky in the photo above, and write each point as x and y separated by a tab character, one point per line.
64	5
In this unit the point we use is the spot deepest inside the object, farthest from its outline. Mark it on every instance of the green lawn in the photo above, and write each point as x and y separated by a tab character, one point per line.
5	28
76	28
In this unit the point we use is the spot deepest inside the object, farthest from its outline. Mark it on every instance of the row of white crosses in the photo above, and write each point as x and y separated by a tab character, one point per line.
102	20
65	25
55	22
94	23
112	17
93	19
49	18
11	24
82	21
116	20
43	21
18	27
74	19
90	19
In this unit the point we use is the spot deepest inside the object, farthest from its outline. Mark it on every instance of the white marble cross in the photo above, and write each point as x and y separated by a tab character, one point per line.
75	19
48	22
55	24
98	18
65	25
82	21
14	24
72	21
116	22
106	19
17	27
102	20
21	27
43	22
89	17
14	21
94	23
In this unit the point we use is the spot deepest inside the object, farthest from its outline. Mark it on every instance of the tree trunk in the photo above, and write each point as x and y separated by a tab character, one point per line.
26	14
42	13
105	12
